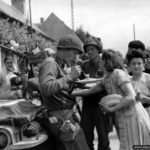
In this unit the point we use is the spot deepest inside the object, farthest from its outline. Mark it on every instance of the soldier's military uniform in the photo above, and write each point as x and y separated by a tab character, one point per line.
54	85
92	116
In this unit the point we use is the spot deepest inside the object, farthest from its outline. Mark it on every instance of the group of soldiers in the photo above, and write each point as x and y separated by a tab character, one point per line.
56	75
55	82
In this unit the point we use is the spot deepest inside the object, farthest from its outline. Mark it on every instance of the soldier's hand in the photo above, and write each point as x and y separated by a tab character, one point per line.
75	72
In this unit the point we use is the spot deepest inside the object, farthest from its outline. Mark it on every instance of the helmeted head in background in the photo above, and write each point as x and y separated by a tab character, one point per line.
93	41
68	49
35	60
136	45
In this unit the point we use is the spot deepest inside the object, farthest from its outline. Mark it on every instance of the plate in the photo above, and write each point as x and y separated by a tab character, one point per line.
111	100
88	80
89	85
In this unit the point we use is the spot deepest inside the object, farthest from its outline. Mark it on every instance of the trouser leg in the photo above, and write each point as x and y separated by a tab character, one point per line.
101	127
87	124
79	143
53	130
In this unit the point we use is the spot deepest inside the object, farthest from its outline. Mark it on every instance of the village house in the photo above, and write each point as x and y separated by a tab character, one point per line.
55	27
15	12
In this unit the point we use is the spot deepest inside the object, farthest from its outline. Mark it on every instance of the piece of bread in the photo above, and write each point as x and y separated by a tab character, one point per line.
111	100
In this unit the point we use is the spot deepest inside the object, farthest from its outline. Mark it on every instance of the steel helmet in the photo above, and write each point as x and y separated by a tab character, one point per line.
70	42
35	58
93	41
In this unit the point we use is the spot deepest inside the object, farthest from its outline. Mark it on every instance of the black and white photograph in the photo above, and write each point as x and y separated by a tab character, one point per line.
74	75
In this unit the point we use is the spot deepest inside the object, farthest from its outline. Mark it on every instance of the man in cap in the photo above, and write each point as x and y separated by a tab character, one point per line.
92	116
54	85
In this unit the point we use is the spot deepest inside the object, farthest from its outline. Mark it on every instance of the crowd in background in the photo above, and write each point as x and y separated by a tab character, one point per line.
128	77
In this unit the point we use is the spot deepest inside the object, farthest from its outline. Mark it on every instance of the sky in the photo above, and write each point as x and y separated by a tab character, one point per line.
111	20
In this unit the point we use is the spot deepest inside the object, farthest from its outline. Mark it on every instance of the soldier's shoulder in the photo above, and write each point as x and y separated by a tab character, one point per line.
47	60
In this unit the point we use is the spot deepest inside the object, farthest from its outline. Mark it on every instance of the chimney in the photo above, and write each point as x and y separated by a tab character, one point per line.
19	4
41	20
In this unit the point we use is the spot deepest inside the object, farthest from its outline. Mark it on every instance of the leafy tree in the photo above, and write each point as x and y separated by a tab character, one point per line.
20	34
83	35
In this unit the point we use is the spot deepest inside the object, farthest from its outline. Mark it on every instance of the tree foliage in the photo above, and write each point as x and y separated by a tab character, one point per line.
21	35
83	35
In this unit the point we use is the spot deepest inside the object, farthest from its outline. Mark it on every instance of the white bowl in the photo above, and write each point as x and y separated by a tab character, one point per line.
111	100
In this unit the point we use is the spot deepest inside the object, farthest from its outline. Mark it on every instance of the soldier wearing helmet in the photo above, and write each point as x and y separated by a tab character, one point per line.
54	85
92	116
94	42
68	45
70	42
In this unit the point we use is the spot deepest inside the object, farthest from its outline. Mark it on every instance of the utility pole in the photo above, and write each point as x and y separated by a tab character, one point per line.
72	15
134	31
30	17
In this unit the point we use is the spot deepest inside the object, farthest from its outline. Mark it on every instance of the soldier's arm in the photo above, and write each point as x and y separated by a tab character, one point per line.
49	81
